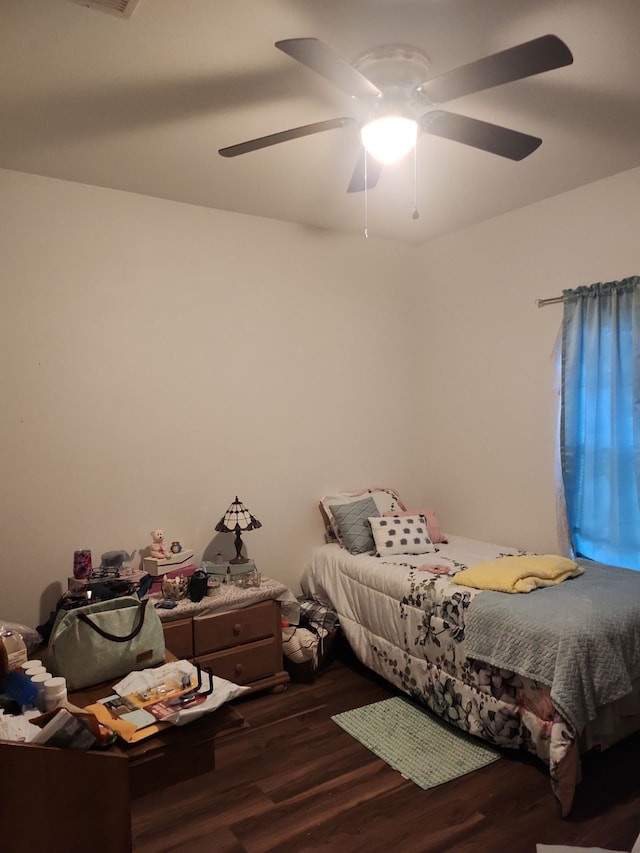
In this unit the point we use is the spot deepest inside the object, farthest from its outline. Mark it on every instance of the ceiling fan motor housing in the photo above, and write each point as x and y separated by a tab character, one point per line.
397	70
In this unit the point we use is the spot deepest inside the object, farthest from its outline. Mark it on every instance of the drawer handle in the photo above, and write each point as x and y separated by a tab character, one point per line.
238	669
237	628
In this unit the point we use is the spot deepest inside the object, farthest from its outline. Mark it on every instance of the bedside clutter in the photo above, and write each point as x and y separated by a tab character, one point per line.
224	597
164	572
308	646
240	574
176	564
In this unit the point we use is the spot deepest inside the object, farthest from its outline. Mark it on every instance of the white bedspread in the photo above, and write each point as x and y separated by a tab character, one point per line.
359	585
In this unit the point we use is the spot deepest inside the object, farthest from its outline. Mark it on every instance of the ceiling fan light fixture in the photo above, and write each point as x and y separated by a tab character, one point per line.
389	138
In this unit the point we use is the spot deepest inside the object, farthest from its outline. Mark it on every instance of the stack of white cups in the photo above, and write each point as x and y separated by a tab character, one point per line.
39	679
55	692
51	690
33	667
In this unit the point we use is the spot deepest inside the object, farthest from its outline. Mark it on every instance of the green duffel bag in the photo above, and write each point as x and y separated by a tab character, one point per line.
104	641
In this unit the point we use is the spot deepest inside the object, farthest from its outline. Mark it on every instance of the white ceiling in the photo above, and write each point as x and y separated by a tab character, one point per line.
143	104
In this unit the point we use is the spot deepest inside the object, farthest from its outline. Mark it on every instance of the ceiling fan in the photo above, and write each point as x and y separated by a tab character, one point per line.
391	87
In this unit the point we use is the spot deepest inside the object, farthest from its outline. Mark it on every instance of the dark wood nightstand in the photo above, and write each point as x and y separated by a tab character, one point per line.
243	645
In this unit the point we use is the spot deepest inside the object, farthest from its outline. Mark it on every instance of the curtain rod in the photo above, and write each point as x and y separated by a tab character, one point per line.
542	302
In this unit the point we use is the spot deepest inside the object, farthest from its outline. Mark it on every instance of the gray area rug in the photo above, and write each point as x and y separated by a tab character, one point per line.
412	741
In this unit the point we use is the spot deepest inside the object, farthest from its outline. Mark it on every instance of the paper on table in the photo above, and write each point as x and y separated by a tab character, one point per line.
140	718
145	680
17	729
148	681
124	729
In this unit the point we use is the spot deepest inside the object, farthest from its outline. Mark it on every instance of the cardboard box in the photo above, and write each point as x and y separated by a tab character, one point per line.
175	561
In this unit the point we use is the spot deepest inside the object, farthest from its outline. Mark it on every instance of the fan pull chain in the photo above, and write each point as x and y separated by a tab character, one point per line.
415	214
366	205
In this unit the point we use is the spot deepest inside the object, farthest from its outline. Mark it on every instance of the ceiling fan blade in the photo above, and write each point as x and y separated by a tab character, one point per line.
479	134
523	60
373	171
284	136
316	55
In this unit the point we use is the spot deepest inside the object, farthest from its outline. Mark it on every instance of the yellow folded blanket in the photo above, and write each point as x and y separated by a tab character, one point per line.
519	574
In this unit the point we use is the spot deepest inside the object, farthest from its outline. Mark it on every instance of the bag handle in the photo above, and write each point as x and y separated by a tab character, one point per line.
84	618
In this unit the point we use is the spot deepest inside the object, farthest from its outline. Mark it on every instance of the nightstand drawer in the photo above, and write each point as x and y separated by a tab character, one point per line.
178	637
247	663
225	630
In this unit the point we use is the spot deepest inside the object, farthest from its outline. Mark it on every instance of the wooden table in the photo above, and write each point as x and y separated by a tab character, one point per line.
173	754
83	797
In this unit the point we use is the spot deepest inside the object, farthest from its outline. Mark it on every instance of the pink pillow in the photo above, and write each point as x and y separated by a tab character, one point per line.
433	525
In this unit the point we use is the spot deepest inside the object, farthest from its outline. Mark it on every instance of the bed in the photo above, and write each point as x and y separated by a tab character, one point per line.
408	620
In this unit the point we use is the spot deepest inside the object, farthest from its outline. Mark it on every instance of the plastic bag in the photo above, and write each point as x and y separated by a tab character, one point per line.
31	637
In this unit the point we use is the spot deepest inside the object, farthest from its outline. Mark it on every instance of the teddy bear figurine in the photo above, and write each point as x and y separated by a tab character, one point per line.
158	549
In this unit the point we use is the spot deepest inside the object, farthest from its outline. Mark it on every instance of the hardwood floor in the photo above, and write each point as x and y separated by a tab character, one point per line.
294	781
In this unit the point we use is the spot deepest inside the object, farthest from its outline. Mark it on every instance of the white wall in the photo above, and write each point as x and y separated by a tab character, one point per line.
157	359
488	421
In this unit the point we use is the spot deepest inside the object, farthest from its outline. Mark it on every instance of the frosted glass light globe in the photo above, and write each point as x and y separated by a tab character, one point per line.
389	138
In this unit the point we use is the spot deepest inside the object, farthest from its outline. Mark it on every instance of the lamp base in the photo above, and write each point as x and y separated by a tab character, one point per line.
238	559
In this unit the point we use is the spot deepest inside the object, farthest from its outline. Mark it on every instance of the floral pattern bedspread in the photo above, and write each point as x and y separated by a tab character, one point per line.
405	620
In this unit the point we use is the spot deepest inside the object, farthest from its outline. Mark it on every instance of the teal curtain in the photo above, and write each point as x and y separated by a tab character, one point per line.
600	420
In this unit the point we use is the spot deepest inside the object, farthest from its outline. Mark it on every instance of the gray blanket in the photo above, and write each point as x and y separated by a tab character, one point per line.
581	638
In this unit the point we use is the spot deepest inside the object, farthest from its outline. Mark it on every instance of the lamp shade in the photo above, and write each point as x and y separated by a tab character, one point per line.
237	519
388	138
